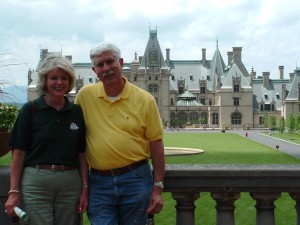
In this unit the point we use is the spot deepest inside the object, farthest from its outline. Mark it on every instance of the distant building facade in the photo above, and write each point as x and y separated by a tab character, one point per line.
203	93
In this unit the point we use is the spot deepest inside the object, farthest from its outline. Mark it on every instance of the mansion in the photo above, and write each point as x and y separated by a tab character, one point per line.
204	92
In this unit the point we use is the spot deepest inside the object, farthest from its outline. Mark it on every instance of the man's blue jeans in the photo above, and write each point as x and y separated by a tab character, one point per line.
120	200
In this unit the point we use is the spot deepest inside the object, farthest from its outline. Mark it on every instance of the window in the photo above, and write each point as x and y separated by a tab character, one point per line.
182	118
261	107
267	107
151	88
261	120
236	101
236	88
180	89
202	101
172	101
149	78
191	78
173	77
215	118
194	117
202	90
203	118
236	118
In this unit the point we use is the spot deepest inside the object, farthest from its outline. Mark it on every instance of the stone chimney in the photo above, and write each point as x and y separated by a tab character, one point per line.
237	53
292	77
69	57
281	72
29	78
230	57
266	76
43	54
203	56
167	56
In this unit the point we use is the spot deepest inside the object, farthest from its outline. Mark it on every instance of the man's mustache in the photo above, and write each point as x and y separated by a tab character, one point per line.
107	74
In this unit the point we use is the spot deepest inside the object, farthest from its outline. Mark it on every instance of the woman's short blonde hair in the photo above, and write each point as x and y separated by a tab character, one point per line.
55	62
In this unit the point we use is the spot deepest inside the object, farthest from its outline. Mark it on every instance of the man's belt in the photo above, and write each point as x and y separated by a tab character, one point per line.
122	170
54	167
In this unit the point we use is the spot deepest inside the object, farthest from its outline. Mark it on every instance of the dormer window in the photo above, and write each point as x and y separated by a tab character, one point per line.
173	77
236	88
277	96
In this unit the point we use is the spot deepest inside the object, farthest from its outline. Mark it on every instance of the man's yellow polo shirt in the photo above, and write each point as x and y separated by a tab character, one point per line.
118	133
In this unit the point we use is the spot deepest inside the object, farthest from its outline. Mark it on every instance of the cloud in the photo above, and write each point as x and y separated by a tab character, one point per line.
266	30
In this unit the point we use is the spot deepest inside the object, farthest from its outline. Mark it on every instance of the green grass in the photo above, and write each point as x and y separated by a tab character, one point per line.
221	148
291	137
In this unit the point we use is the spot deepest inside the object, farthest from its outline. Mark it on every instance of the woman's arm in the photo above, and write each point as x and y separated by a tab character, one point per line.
16	171
83	169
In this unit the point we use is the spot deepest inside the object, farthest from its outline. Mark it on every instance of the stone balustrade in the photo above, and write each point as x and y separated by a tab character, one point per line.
265	183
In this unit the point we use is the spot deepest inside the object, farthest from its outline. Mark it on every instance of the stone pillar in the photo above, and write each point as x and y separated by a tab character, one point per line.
185	207
225	207
296	197
265	207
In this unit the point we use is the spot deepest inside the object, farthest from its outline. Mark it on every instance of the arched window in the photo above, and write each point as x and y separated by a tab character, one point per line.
194	117
155	88
182	118
236	118
203	118
150	88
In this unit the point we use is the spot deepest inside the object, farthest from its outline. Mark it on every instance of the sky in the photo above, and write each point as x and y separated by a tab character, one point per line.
267	30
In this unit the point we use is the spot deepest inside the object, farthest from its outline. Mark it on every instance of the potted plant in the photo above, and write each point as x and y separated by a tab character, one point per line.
8	115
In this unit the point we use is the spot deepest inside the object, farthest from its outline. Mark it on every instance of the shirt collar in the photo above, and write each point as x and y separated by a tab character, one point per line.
43	105
124	94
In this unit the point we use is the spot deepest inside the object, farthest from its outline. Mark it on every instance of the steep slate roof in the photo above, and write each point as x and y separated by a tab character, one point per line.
293	94
268	94
190	70
217	66
235	72
153	47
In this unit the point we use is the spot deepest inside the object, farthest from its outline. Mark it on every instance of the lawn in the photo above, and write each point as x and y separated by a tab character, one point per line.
221	148
291	137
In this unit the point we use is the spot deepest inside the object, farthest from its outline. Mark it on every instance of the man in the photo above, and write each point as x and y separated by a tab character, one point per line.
124	130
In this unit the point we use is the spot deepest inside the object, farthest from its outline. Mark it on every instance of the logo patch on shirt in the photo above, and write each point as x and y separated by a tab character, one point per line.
73	126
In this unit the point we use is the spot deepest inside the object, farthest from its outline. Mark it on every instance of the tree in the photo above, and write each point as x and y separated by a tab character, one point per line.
281	124
298	123
291	124
8	60
265	120
272	122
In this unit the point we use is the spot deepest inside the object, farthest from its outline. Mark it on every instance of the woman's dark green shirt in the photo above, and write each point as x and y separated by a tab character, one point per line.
49	136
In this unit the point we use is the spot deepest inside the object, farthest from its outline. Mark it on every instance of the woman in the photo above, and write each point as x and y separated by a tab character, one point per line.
49	173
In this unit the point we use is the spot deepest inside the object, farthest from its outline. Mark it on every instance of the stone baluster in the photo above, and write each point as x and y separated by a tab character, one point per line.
225	207
296	197
265	207
185	207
